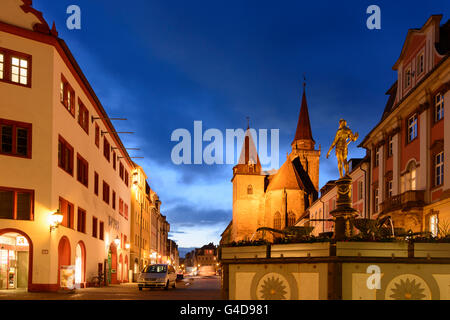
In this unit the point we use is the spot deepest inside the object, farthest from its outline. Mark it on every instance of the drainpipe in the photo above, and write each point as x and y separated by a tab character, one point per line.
367	194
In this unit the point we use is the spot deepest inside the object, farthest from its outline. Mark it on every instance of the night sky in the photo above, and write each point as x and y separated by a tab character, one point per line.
165	64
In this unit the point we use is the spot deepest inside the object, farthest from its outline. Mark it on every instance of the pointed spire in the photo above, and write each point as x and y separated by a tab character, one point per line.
303	131
248	159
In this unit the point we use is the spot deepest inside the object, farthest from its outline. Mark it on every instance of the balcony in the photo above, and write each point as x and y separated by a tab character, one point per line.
406	200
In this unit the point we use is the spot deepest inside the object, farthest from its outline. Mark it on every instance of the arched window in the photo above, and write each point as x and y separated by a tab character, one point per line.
291	219
249	189
277	220
409	178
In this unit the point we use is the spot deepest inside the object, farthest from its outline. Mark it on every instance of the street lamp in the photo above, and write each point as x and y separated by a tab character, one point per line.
117	241
127	245
55	220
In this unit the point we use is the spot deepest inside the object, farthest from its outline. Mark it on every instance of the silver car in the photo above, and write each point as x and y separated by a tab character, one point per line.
157	276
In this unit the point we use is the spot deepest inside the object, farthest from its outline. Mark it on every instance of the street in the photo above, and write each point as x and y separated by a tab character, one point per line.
193	288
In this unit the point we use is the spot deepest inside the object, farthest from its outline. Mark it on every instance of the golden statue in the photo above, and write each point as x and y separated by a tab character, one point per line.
341	141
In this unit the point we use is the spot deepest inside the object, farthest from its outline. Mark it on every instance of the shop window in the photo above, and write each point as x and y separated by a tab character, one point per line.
15	67
67	96
83	116
439	107
15	138
67	210
94	227
16	204
434	225
65	155
81	220
82	170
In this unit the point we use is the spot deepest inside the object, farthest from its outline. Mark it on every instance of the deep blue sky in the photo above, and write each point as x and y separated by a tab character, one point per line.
164	64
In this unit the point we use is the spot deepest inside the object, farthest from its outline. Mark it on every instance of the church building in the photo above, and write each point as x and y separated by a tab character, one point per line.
275	200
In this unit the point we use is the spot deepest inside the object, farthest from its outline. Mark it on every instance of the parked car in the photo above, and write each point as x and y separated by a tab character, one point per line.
157	276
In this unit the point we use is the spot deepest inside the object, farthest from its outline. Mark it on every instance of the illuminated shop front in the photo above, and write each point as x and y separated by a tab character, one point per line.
14	261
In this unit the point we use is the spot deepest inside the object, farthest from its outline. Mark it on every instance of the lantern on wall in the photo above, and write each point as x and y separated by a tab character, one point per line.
55	220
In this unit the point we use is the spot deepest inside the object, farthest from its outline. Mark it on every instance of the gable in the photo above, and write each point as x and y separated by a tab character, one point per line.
20	13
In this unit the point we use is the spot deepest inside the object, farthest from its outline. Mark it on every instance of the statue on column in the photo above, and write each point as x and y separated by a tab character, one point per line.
341	141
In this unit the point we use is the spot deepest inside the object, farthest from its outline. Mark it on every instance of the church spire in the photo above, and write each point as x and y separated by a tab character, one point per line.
249	159
303	134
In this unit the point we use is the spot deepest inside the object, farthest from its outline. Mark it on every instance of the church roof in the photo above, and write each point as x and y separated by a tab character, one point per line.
292	176
303	131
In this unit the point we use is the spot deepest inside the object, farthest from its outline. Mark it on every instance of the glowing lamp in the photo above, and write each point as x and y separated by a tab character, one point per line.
55	220
127	245
117	241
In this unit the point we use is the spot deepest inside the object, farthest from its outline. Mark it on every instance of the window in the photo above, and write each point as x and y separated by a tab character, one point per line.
121	171
291	219
97	135
96	183
102	231
377	157
67	96
105	192
439	107
420	64
408	77
114	200
15	67
360	190
375	200
106	149
83	116
125	211
94	227
114	159
249	189
277	221
433	223
126	178
65	156
2	65
82	170
412	128
67	209
389	189
15	138
81	220
121	207
439	169
16	204
391	146
408	179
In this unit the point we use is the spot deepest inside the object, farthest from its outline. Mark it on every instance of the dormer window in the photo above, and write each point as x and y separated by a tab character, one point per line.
408	77
420	64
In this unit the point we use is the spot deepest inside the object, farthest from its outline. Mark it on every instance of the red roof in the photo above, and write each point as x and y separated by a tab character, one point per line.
304	126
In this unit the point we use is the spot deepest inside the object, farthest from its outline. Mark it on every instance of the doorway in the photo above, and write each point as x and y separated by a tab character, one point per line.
14	261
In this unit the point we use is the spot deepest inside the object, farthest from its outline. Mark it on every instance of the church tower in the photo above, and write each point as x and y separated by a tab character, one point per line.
303	144
248	191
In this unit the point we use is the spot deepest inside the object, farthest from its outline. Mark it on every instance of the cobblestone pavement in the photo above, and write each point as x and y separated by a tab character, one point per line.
195	288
